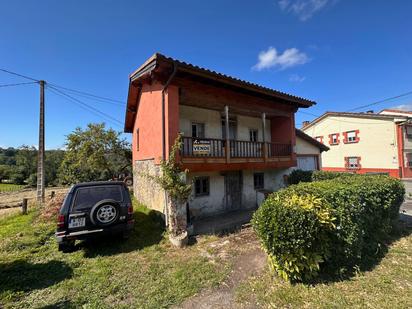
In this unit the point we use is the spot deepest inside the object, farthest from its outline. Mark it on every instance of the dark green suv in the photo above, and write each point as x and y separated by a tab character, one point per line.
94	208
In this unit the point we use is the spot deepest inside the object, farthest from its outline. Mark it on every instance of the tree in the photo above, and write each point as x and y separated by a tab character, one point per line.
5	172
95	153
26	165
53	159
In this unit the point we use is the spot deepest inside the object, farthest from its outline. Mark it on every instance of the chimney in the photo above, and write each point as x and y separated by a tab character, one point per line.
305	124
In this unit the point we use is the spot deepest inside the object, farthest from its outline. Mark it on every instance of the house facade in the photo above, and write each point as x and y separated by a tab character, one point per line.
238	138
365	142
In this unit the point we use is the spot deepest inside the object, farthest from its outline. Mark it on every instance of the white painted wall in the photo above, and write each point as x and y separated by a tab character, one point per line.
377	146
214	203
304	147
213	123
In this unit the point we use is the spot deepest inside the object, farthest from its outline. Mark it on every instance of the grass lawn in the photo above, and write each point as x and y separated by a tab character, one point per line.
8	187
387	285
142	272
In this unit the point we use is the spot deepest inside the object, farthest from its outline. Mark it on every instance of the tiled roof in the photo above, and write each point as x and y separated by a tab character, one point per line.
194	69
351	114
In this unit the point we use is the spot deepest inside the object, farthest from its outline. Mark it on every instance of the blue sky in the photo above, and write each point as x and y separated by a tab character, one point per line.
342	54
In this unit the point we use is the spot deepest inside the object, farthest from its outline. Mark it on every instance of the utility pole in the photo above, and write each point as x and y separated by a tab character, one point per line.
40	159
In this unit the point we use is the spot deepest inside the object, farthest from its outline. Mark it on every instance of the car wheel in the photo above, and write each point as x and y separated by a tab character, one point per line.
67	246
105	213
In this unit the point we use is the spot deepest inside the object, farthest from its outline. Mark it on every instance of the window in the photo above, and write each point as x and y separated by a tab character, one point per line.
351	137
408	130
198	130
87	197
319	139
202	186
137	140
353	162
334	139
253	135
258	180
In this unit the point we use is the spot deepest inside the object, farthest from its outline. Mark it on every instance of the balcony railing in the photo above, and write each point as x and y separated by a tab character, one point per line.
216	148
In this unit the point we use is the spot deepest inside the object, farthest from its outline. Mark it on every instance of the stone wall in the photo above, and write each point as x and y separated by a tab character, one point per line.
145	189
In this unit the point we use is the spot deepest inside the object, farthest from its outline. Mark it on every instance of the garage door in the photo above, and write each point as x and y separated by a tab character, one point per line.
307	163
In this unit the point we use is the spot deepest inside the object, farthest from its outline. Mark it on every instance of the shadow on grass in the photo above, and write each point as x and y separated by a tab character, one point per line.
148	230
23	276
402	228
63	304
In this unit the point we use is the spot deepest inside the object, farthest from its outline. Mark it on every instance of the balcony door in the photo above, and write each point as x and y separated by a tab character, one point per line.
232	133
232	129
233	190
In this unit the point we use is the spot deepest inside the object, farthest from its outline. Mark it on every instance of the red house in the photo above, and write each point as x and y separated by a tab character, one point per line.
238	137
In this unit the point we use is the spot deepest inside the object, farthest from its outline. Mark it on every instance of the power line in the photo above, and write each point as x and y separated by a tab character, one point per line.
381	101
68	89
339	120
122	103
18	84
20	75
84	105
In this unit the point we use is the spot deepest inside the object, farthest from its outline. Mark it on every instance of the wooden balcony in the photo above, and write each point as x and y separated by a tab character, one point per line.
239	154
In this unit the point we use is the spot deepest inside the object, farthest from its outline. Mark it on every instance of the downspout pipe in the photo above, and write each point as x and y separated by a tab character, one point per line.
164	133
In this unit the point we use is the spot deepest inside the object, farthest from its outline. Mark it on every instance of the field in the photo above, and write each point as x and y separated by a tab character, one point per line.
10	199
143	272
6	187
147	272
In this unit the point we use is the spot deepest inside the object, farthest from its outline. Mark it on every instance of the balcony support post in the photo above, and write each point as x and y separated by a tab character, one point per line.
227	134
265	149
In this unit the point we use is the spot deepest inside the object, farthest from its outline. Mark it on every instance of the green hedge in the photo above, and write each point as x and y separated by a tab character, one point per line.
297	176
325	175
359	211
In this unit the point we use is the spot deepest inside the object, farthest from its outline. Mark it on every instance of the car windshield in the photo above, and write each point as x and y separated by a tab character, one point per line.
87	197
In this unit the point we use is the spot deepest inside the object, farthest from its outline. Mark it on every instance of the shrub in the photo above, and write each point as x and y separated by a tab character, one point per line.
326	175
294	231
364	207
297	176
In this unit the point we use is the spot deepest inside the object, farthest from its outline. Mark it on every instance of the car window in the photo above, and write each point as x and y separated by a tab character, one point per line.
87	197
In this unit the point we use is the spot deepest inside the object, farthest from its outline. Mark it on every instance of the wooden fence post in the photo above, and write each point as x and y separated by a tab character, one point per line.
24	206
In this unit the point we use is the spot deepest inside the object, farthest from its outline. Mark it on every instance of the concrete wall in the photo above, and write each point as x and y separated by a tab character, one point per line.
215	202
149	143
213	123
149	123
304	148
377	146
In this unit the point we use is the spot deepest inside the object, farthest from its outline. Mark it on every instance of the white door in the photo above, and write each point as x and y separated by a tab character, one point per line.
307	163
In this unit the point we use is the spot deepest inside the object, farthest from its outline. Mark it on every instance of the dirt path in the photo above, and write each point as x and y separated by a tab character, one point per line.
250	261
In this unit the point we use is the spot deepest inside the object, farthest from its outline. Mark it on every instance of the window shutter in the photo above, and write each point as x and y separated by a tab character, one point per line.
346	162
345	137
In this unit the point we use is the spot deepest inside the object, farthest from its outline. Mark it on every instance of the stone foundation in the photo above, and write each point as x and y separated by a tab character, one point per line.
145	189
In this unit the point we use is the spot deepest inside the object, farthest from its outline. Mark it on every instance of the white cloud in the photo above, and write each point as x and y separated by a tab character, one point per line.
296	78
403	107
270	58
304	9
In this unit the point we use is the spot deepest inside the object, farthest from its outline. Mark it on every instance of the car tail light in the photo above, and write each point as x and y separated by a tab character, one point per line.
60	221
130	209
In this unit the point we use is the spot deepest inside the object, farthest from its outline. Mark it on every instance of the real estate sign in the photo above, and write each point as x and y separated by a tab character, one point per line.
201	147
